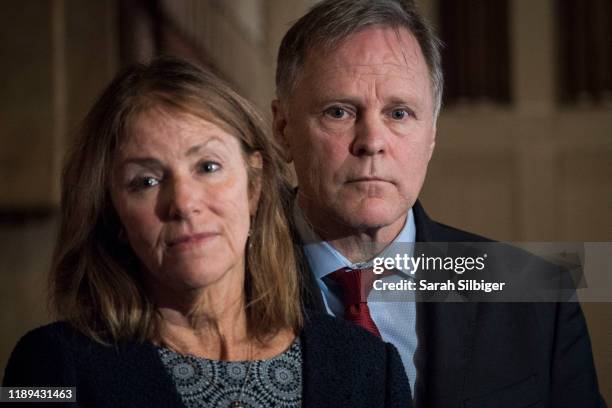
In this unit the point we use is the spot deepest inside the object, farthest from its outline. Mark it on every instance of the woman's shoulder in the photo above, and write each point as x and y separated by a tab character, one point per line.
51	330
40	353
59	335
53	334
335	353
326	330
315	320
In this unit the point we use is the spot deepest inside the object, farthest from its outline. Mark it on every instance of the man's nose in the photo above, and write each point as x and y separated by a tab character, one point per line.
183	198
371	135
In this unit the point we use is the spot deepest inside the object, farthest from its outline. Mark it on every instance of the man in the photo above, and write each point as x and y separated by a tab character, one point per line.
359	89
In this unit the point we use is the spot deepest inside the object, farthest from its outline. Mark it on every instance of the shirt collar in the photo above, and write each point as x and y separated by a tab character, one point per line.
324	259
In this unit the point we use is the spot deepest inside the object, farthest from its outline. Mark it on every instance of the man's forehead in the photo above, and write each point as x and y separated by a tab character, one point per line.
375	50
353	72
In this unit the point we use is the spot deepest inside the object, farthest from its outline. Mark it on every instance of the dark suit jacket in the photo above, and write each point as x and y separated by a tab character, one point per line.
343	366
493	354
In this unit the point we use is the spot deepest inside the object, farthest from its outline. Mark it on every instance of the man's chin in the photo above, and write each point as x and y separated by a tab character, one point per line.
348	214
370	218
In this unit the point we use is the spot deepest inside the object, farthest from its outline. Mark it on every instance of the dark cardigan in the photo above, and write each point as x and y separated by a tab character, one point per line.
343	366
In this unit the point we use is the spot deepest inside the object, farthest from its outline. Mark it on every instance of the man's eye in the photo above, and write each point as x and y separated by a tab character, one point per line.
336	112
209	167
399	114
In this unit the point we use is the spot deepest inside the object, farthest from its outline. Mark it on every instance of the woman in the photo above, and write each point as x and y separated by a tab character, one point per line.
174	271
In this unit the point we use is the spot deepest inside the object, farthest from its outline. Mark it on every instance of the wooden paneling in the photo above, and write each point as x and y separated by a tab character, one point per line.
476	56
584	49
27	105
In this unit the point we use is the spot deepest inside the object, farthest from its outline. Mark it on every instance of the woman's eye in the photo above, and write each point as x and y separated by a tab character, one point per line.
336	112
142	183
209	167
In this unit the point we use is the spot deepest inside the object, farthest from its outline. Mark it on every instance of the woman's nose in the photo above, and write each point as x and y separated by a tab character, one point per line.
183	199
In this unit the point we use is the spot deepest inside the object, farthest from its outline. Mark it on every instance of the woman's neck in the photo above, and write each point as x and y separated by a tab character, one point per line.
222	338
208	321
211	322
219	334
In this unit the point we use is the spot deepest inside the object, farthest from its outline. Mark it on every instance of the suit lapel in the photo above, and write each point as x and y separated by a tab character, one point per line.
445	333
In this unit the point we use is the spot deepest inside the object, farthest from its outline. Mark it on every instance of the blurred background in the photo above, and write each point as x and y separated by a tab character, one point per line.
524	145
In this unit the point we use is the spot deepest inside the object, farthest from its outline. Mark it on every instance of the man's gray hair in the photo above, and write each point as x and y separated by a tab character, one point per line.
331	21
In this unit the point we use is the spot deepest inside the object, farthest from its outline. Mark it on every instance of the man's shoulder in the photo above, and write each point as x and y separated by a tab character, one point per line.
429	230
454	234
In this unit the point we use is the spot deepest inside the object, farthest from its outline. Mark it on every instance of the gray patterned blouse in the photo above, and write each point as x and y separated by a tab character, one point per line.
200	382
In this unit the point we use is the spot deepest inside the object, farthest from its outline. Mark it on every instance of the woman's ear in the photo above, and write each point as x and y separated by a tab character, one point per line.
255	163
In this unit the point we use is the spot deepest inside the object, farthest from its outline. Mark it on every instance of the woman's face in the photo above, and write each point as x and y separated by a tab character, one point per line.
180	190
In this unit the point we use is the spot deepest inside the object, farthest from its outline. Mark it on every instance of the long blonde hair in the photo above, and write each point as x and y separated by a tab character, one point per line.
95	281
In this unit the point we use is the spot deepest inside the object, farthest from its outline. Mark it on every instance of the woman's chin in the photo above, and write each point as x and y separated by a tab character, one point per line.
197	273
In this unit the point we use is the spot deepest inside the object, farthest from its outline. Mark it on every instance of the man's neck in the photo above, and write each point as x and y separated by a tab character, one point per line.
356	245
360	247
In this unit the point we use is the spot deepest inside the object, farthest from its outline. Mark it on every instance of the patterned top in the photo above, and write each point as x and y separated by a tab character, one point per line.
276	382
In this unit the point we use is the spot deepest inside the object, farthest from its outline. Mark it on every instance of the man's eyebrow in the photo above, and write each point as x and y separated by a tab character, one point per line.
344	99
407	99
403	99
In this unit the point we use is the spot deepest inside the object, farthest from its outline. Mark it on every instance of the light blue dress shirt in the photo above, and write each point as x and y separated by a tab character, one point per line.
395	317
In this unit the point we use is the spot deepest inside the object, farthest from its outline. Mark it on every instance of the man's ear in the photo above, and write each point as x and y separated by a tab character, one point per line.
432	145
279	127
255	162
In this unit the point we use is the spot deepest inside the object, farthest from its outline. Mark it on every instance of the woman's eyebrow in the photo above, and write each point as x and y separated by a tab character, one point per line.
196	149
154	163
149	162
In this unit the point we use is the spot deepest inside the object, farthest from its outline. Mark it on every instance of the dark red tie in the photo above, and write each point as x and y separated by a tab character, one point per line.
356	285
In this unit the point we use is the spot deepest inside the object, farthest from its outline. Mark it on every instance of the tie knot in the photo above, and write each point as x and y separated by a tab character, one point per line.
355	283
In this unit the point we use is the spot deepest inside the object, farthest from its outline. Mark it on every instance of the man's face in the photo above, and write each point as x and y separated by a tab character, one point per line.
360	130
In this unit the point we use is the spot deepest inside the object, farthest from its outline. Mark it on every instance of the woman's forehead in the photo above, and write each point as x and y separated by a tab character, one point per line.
160	129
